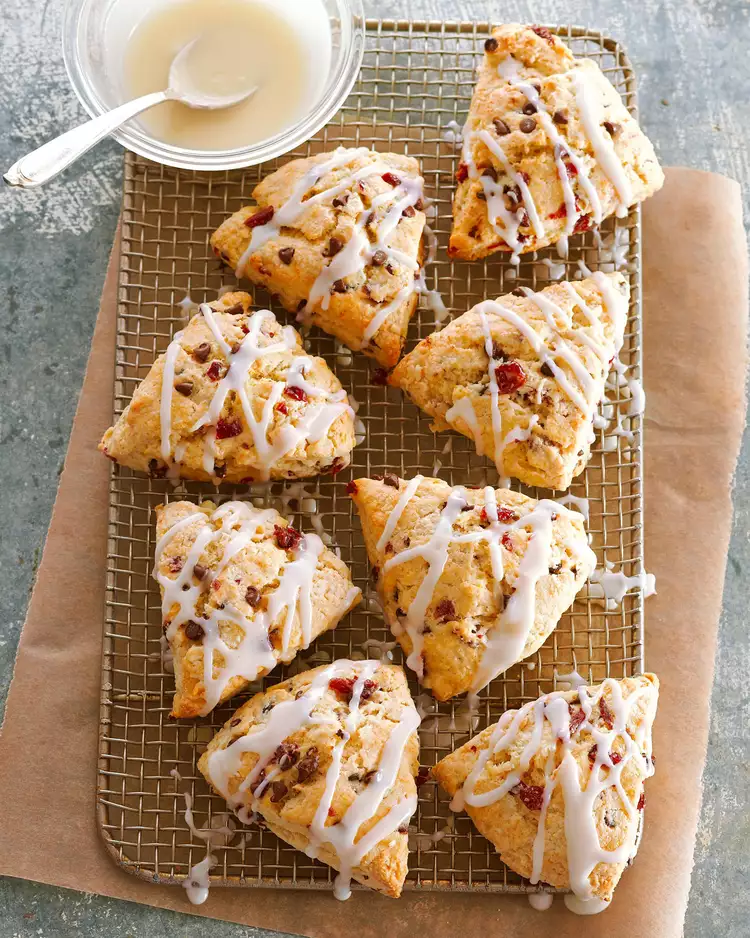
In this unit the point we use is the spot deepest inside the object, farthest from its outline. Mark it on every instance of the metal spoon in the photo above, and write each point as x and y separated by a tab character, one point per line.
51	158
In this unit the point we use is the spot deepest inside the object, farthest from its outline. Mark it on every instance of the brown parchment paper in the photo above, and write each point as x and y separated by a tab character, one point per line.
695	311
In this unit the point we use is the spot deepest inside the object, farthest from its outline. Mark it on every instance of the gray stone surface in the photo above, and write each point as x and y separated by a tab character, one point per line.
691	58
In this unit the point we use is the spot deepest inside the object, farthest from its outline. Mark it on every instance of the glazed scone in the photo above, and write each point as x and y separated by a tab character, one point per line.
558	785
522	376
241	591
328	760
235	398
471	580
549	149
337	238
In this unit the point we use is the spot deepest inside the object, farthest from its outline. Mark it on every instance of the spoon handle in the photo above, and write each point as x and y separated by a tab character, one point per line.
53	157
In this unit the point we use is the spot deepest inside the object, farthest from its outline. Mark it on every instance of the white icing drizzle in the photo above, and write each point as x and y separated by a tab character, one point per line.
318	417
611	587
540	901
601	142
584	850
358	251
239	524
506	638
591	336
453	133
562	148
580	503
198	880
288	717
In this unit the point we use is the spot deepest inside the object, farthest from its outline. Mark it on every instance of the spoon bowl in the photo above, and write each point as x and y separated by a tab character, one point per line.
53	157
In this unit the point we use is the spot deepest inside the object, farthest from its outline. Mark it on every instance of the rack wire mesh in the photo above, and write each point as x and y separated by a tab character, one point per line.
416	78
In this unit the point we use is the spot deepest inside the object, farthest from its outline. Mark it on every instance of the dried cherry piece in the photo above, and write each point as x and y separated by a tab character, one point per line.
462	172
194	631
295	393
260	218
227	428
509	377
351	488
577	716
531	795
287	538
391	178
215	370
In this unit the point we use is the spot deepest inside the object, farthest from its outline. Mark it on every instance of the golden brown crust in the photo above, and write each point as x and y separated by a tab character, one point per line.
288	264
511	823
289	810
543	61
135	439
552	433
258	567
465	606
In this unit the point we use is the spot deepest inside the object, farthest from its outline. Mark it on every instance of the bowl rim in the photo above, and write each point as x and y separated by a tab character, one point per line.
347	70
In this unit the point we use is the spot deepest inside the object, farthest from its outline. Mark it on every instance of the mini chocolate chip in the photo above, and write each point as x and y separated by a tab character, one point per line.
199	571
481	196
556	568
184	387
490	45
379	258
498	352
339	286
529	108
220	471
194	631
333	247
547	370
236	722
501	128
287	755
491	172
309	764
202	351
236	310
404	829
390	479
559	117
389	268
369	776
527	125
419	205
409	211
278	791
252	596
517	291
155	470
612	129
340	200
407	541
286	255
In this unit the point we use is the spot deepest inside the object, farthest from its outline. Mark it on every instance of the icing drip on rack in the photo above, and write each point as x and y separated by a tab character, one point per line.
359	250
234	526
322	409
505	640
286	718
584	393
615	748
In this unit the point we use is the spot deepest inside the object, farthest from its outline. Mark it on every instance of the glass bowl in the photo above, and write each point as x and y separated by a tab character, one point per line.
95	33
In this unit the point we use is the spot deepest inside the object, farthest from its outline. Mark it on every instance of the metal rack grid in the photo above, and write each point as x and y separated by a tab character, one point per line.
415	78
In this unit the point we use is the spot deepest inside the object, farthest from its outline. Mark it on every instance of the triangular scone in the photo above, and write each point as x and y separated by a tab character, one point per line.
241	591
328	760
522	375
549	149
471	580
558	785
242	402
337	238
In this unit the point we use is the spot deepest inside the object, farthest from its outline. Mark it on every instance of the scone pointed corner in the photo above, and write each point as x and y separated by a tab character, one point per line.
578	790
273	759
375	499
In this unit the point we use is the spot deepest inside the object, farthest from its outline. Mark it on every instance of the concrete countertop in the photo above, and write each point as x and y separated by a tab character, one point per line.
691	61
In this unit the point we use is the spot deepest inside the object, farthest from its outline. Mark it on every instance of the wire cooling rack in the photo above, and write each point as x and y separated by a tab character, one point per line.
416	79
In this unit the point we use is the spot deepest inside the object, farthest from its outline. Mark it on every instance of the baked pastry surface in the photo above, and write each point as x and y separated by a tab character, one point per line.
328	759
241	591
235	398
557	786
549	149
337	238
471	580
522	376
